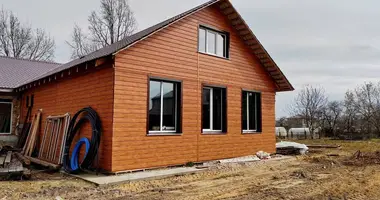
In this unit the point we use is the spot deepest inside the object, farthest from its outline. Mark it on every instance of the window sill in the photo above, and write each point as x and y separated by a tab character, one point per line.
213	55
251	132
213	133
164	134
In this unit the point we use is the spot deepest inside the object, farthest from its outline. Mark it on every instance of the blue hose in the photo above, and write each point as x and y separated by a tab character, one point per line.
75	154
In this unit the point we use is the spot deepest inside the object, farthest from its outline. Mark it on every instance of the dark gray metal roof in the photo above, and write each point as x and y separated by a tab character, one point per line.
15	72
226	7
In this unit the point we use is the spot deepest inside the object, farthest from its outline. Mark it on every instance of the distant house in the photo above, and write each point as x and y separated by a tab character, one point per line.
196	87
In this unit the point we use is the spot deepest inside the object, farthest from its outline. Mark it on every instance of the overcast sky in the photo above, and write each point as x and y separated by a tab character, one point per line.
333	44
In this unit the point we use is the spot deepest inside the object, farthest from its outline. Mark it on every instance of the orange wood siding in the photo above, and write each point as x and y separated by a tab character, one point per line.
172	53
95	89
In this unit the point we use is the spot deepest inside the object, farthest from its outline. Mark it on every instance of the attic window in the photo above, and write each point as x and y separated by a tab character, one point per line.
213	42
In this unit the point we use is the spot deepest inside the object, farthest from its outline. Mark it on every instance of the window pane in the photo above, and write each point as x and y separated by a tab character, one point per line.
202	40
5	117
168	107
154	105
244	111
206	108
220	45
217	109
211	38
252	111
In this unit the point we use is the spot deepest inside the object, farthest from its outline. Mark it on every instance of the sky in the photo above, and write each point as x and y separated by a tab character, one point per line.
330	44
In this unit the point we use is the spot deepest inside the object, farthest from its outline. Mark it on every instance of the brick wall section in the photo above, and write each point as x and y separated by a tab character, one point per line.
172	53
77	91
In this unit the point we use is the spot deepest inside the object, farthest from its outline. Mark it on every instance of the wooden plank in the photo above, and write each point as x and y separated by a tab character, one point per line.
29	133
22	158
32	142
2	159
43	163
8	158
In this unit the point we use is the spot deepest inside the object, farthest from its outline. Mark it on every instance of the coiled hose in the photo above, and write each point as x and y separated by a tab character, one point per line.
91	116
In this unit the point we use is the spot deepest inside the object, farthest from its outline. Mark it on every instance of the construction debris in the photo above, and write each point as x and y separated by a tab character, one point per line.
363	158
50	155
291	148
263	155
9	164
323	146
43	163
22	158
240	159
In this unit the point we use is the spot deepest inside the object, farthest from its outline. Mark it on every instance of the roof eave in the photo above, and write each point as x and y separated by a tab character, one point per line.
249	38
6	90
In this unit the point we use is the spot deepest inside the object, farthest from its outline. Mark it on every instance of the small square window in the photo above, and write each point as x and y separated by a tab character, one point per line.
164	106
214	110
251	112
213	42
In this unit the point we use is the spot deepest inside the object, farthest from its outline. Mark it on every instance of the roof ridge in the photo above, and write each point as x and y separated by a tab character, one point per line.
25	59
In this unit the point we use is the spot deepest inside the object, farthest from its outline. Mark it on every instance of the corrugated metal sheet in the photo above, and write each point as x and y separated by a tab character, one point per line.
15	72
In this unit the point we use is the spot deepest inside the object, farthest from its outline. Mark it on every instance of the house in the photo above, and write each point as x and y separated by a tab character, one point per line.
196	87
14	73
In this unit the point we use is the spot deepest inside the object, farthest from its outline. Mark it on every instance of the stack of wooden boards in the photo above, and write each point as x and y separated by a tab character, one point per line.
50	147
50	152
30	143
9	164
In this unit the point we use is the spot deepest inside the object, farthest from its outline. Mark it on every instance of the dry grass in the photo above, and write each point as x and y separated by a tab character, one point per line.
348	146
316	176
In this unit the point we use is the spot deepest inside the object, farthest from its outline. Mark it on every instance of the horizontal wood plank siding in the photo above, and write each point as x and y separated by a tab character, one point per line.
172	54
94	88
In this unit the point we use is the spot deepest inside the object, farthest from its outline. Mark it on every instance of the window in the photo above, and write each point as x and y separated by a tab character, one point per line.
5	116
213	42
251	112
164	106
214	110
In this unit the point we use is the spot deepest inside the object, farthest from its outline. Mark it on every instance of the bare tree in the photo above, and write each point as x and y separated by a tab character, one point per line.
367	103
332	114
350	116
309	104
113	22
20	41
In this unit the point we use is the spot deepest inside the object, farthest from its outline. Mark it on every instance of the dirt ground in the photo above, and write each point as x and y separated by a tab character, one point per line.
320	175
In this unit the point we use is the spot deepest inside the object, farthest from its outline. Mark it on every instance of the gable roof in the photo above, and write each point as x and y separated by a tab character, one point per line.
15	72
226	7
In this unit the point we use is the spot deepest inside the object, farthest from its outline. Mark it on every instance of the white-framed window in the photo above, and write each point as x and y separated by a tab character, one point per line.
214	110
6	110
164	107
213	42
251	112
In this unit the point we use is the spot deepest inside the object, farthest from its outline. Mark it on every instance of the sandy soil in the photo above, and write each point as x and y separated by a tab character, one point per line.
316	176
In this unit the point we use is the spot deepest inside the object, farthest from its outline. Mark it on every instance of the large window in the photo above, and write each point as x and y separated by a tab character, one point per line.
251	112
214	110
5	116
164	106
213	42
